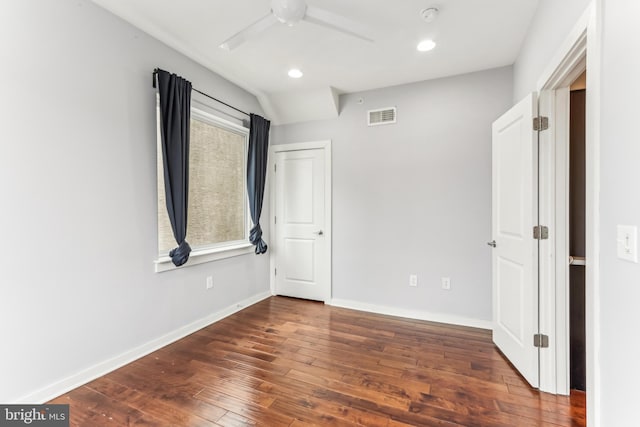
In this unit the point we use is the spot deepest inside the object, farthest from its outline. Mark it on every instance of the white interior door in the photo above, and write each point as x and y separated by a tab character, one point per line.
515	254
302	224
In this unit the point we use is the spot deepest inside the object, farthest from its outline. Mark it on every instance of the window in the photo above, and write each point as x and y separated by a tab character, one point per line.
218	213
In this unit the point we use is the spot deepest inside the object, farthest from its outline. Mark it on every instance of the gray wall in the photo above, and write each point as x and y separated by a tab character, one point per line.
551	25
619	204
414	197
78	188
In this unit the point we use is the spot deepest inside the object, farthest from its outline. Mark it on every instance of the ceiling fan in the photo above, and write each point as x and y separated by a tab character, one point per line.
290	12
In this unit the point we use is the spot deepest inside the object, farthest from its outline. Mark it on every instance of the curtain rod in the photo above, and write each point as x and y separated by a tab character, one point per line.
155	72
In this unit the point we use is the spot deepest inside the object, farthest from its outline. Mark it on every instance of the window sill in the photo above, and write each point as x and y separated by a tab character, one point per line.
205	255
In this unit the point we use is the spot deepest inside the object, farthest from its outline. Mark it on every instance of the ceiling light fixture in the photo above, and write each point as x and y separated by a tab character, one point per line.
294	73
426	45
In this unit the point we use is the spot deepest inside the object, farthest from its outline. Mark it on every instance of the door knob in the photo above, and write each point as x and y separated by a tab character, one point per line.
319	233
492	243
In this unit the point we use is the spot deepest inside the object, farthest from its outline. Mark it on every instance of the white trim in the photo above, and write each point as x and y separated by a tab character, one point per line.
413	314
554	252
569	62
566	59
560	272
272	217
203	115
592	283
76	380
547	253
310	145
205	255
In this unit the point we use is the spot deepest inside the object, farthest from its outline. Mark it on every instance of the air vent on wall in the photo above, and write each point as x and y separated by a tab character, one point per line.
382	116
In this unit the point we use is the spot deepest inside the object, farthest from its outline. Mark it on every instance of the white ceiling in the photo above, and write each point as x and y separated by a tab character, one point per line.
471	35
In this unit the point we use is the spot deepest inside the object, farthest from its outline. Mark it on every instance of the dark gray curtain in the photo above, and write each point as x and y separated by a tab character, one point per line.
256	175
175	115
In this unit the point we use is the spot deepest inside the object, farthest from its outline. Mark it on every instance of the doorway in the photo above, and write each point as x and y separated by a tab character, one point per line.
553	87
522	304
301	220
577	231
553	299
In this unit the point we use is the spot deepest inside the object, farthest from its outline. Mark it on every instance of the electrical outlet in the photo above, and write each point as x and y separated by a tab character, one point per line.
413	280
209	282
446	283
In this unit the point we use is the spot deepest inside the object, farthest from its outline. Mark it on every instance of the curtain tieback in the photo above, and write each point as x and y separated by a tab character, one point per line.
180	255
255	237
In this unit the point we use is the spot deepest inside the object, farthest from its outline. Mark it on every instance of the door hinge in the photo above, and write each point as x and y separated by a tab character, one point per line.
540	123
275	219
540	232
541	341
275	271
275	167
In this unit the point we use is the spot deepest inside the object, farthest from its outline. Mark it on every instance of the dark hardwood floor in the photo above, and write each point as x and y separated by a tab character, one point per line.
287	362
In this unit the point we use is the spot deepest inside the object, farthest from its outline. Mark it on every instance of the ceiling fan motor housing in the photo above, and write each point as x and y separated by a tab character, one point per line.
289	12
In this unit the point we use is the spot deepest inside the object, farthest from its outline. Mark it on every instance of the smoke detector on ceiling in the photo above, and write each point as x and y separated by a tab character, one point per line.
429	14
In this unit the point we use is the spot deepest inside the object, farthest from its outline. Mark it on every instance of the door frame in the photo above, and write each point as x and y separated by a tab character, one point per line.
324	145
553	86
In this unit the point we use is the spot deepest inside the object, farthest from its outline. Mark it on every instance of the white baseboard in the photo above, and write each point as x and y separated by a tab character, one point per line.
413	314
76	380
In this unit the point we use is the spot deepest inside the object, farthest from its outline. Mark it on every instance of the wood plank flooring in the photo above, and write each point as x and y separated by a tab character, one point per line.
287	362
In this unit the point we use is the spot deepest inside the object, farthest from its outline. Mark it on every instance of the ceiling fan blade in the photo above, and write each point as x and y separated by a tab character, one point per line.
253	29
335	22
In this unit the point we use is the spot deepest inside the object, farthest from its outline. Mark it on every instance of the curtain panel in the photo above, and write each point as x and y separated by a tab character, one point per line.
256	176
175	116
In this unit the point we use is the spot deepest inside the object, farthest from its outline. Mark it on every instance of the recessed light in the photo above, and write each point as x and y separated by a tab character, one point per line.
294	73
426	45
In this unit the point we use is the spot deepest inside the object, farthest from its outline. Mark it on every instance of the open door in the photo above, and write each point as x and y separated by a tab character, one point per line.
515	251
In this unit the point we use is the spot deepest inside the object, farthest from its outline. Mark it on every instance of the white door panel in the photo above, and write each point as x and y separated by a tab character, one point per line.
301	225
299	190
299	256
514	259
